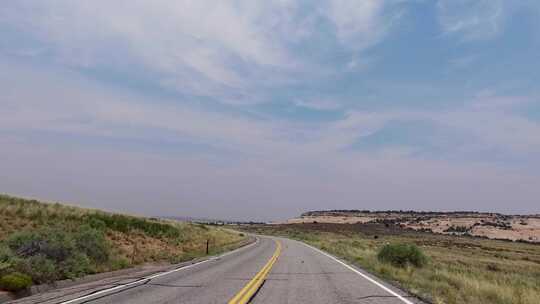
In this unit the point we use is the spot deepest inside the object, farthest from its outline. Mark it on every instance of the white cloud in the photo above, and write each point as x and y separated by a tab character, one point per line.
208	48
480	19
65	103
491	122
474	19
318	104
359	24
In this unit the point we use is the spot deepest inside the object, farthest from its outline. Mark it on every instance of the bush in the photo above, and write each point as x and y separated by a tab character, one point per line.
97	224
53	254
39	268
125	223
76	266
120	263
6	255
15	281
401	255
20	240
92	242
53	243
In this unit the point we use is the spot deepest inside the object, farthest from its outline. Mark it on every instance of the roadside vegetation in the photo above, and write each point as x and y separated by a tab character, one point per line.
437	268
402	255
42	243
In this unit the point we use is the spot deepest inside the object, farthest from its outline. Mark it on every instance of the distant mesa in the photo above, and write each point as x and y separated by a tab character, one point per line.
479	224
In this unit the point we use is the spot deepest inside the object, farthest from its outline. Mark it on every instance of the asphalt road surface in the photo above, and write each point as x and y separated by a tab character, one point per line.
270	271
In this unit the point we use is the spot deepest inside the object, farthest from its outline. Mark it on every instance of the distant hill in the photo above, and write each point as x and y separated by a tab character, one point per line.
208	221
352	212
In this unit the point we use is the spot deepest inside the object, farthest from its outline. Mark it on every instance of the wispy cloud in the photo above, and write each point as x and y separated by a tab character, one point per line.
462	63
358	24
202	48
65	104
318	104
474	19
480	19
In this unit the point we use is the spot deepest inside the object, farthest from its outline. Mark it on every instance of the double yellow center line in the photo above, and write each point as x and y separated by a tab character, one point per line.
246	293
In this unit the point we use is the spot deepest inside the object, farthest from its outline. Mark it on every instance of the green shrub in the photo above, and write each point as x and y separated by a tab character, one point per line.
52	254
120	263
126	223
97	224
401	255
39	268
76	266
54	244
18	240
15	281
92	242
6	255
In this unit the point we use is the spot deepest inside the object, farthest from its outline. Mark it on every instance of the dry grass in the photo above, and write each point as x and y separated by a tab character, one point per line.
460	269
132	240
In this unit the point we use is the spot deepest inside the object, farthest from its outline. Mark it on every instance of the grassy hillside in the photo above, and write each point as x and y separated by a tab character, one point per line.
42	242
457	270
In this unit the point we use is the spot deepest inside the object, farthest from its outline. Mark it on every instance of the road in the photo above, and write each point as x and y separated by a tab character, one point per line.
270	271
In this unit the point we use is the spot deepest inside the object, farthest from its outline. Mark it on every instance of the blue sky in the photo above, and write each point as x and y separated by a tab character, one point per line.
264	109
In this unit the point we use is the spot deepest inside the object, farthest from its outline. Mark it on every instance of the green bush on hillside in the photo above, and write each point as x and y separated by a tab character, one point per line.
15	281
401	255
126	223
52	254
6	257
92	242
39	268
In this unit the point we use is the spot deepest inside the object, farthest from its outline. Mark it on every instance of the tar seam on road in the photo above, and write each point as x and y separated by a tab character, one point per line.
362	275
147	279
250	290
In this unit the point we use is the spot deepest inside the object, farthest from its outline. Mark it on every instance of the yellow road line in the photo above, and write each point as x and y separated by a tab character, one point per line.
245	294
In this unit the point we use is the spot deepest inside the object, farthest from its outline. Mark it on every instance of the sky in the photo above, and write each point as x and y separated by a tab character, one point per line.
260	110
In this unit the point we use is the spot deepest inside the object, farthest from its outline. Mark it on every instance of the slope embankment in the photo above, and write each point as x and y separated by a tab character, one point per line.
43	242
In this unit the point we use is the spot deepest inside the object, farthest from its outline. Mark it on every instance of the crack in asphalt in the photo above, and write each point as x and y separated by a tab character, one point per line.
238	279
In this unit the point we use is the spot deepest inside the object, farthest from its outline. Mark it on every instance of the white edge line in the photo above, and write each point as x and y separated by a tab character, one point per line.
158	275
361	274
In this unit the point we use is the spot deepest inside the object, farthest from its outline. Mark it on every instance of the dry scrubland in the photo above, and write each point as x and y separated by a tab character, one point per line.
458	269
488	225
43	242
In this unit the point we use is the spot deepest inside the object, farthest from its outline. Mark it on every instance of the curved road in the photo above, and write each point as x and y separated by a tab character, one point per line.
294	273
